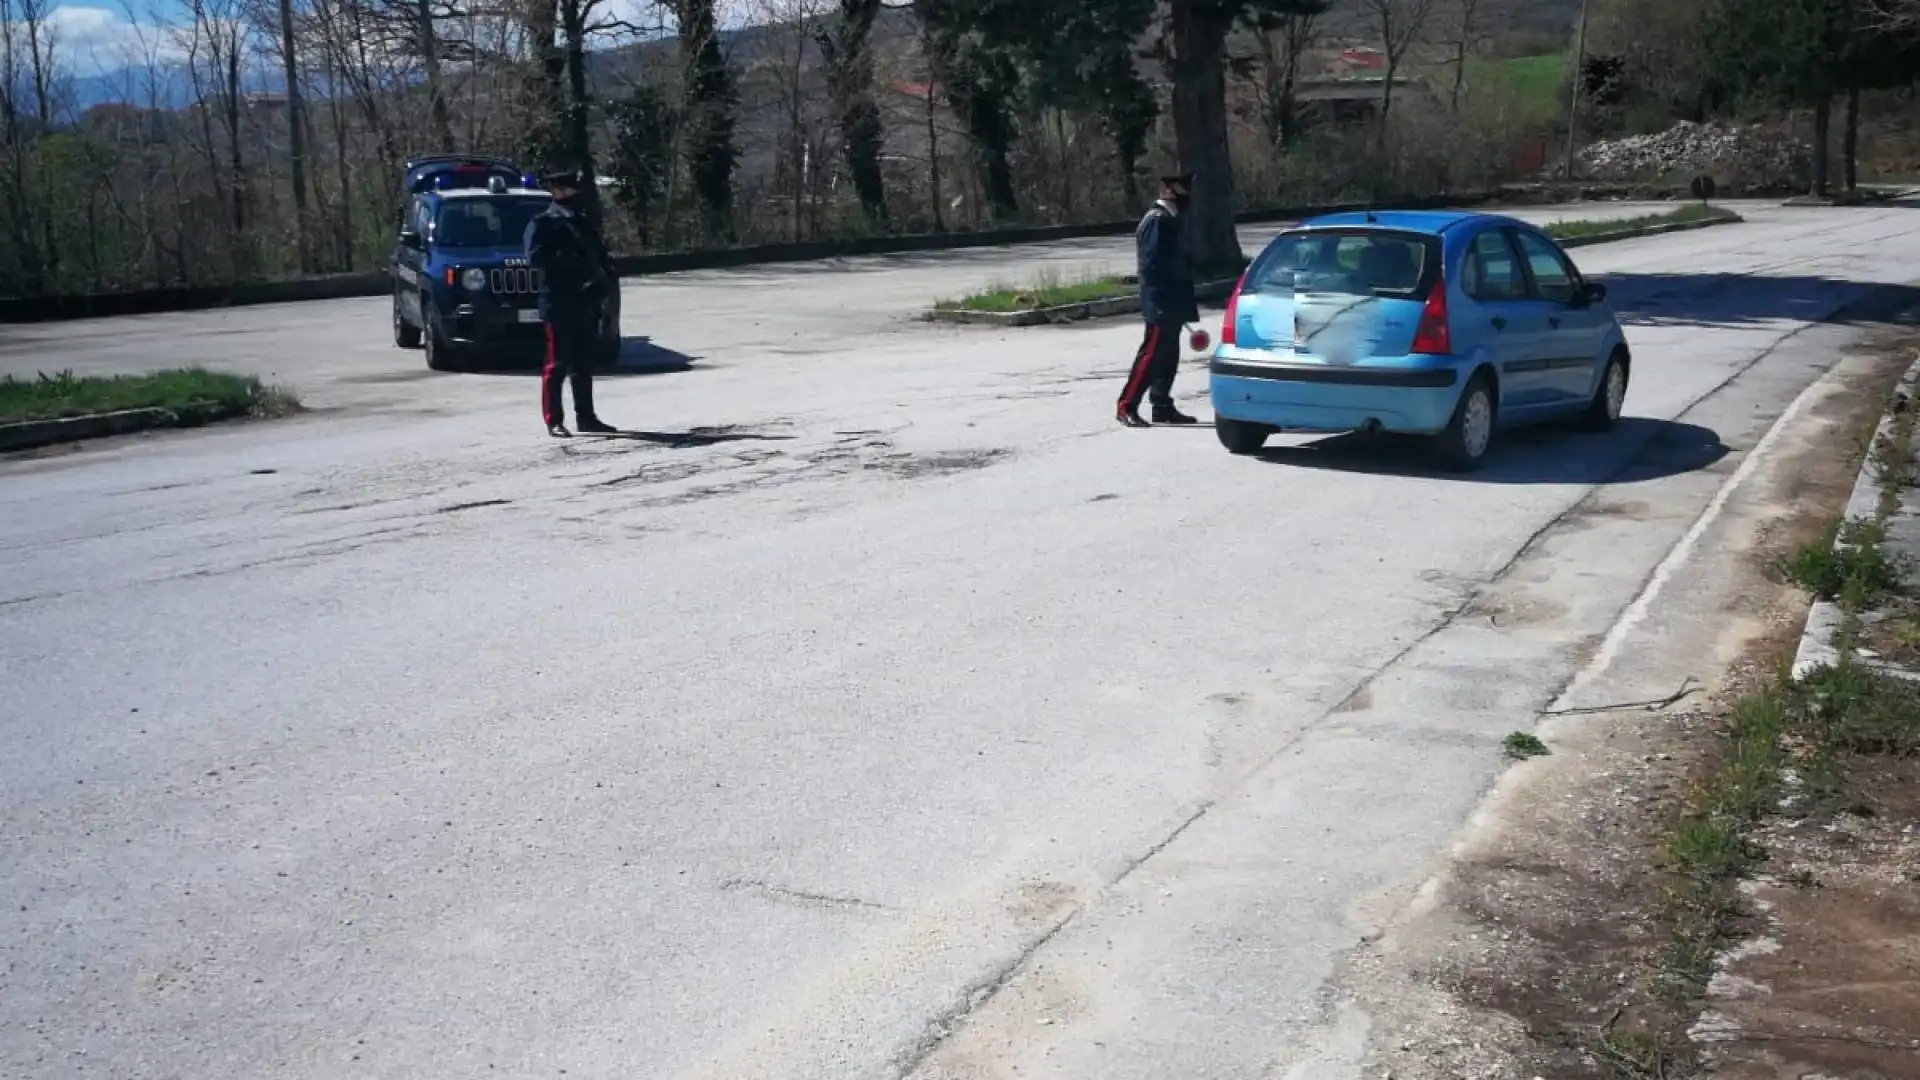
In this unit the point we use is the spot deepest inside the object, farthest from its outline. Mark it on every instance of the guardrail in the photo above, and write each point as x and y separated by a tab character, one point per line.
34	309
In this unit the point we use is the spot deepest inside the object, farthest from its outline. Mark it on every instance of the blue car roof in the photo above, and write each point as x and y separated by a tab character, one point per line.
1420	221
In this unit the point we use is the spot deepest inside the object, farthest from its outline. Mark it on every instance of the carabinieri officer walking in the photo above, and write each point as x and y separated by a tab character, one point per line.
1166	303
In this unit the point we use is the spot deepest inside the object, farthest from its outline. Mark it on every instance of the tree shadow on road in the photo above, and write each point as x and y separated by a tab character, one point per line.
1733	300
1636	450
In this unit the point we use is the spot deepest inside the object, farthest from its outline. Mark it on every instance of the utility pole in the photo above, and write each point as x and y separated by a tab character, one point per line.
1573	96
296	133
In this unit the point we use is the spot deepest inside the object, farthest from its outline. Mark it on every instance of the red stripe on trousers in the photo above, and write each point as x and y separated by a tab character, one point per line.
548	372
1136	381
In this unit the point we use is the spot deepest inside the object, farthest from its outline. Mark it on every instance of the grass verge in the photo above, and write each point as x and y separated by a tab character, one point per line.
195	395
1048	287
1051	287
1791	744
1679	215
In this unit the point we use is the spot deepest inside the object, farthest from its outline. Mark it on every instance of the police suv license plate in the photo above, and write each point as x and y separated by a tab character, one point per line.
529	315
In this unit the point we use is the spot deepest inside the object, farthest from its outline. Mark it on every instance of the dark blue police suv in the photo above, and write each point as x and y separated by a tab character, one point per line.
461	283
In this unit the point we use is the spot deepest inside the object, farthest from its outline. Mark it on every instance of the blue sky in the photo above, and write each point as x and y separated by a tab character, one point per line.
98	36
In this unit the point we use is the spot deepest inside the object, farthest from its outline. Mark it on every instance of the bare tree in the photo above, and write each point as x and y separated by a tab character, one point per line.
296	129
1466	34
1281	46
1397	25
791	28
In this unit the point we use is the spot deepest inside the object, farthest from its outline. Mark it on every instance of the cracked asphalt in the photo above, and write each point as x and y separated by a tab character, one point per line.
879	709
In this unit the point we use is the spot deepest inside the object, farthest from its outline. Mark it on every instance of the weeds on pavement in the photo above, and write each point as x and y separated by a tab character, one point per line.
195	395
1520	746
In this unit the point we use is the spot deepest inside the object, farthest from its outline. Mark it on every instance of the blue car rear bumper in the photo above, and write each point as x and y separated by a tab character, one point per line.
1319	397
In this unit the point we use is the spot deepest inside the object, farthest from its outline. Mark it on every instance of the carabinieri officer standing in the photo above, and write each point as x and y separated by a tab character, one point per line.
566	251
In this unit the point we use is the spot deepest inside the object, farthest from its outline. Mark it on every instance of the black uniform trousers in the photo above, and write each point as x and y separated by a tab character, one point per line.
572	334
1154	367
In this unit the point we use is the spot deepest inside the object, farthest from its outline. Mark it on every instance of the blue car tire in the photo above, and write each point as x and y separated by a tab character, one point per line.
1239	436
1469	435
1610	396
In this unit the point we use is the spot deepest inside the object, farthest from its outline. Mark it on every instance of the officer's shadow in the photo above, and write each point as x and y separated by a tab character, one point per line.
642	356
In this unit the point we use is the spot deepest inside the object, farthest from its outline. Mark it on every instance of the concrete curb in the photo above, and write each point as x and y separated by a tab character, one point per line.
1212	291
1820	640
36	433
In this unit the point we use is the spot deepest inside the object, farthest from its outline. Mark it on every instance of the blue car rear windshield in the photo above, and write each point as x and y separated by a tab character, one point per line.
485	223
1361	262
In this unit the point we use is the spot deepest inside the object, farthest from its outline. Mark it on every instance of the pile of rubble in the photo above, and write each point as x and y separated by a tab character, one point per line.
1750	155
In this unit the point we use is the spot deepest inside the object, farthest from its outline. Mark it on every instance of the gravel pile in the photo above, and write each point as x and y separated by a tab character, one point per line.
1727	152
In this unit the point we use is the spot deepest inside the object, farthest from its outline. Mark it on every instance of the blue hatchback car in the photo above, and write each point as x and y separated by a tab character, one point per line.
1448	324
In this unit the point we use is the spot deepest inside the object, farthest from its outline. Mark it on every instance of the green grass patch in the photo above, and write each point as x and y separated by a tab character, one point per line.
1679	215
1809	730
1535	76
196	394
1520	746
1635	1055
1051	287
1046	288
1533	87
1844	563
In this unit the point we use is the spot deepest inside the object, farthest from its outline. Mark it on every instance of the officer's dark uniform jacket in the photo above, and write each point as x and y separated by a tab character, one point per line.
1165	267
572	265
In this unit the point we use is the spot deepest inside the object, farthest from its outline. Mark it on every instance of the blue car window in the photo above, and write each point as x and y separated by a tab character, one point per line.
485	223
1492	272
1552	278
1360	263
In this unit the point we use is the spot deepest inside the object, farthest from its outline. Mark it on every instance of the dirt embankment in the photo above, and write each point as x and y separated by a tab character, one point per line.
1682	887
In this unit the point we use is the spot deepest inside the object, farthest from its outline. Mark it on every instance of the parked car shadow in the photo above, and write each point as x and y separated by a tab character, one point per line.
1739	299
1636	450
638	356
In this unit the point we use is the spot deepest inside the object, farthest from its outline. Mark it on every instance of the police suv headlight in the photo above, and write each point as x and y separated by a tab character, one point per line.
473	280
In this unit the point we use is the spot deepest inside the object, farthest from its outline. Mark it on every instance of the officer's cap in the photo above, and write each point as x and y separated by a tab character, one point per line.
567	178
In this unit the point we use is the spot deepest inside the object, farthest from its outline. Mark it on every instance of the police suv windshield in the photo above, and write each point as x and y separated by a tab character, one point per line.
485	222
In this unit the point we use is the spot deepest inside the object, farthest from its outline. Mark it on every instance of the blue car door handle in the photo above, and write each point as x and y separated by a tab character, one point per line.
1499	322
1553	321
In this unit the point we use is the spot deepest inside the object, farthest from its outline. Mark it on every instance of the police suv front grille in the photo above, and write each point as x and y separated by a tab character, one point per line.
514	281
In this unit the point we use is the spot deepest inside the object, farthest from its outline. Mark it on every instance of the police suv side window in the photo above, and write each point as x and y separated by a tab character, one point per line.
422	218
1494	273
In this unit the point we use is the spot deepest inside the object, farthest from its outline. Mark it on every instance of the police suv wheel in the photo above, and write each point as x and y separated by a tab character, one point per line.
439	356
405	334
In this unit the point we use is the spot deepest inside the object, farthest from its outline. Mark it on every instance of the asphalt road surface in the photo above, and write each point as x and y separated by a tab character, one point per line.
879	685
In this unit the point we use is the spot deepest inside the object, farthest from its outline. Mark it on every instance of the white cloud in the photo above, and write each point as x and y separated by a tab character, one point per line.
89	40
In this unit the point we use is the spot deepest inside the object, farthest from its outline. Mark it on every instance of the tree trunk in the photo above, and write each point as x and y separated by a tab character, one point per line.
1822	136
429	42
346	255
1199	40
933	157
849	53
296	136
1852	139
